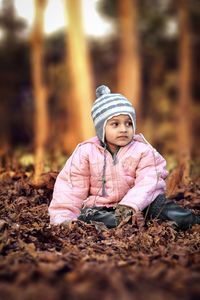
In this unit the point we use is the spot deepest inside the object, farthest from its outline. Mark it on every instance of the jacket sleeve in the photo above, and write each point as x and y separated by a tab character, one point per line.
70	189
150	180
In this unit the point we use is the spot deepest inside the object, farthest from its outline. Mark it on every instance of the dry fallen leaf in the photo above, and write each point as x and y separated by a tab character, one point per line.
89	261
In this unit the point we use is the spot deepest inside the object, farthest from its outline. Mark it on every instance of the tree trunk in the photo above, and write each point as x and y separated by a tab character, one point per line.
81	86
40	94
129	67
185	94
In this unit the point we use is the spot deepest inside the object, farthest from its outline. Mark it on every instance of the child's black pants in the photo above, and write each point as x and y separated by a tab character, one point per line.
161	208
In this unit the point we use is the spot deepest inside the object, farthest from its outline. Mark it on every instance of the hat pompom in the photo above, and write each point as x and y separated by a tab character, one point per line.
102	90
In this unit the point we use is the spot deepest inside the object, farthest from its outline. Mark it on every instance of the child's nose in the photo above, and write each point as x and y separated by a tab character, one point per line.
123	127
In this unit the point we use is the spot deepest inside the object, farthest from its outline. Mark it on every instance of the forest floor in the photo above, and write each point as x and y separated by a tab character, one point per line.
81	261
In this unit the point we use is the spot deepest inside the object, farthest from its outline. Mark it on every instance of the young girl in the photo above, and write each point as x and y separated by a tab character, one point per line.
116	174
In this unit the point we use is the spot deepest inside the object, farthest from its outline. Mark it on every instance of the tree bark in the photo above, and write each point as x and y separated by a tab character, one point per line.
129	66
40	92
184	133
81	84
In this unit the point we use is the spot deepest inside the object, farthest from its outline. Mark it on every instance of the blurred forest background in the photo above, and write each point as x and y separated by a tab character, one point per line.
48	82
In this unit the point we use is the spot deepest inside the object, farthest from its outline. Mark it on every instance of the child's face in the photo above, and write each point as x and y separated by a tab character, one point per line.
118	131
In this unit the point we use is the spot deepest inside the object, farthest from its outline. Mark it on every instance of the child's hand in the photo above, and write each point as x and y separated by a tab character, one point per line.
124	214
68	224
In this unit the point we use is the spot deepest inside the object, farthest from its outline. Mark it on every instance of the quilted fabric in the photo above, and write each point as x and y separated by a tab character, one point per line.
135	178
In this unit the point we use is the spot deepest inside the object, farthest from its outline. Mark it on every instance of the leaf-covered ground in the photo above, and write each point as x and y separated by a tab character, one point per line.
39	261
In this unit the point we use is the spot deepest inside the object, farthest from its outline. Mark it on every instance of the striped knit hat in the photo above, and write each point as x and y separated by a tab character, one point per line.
108	105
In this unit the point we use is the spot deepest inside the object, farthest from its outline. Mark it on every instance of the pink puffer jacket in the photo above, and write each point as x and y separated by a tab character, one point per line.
135	178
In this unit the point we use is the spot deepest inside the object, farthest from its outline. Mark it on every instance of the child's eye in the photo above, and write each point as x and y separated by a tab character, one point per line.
128	124
114	124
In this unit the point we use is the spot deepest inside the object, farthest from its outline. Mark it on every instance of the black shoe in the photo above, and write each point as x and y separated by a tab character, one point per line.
164	209
99	214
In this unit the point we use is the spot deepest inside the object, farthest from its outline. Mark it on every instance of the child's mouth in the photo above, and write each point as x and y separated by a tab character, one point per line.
122	137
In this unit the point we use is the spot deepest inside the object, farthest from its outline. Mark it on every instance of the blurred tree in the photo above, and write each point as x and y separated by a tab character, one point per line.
12	56
125	15
40	91
80	93
129	66
11	25
184	133
158	33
